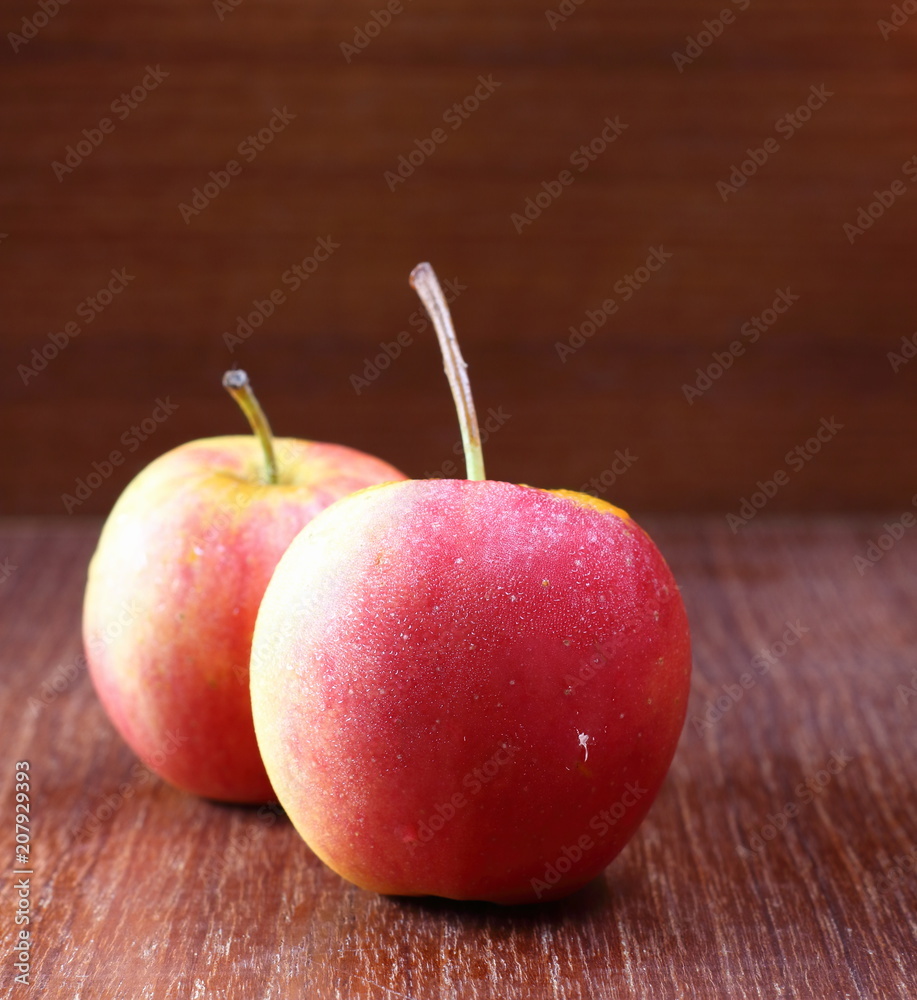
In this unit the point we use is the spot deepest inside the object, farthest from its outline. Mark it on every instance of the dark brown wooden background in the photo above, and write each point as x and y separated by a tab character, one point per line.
323	176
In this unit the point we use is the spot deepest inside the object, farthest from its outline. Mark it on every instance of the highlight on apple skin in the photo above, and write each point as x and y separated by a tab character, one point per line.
185	557
467	688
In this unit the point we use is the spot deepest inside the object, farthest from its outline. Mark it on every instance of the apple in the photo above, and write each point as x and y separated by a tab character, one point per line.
174	587
468	688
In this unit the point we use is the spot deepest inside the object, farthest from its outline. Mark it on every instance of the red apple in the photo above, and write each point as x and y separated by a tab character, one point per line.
174	588
467	688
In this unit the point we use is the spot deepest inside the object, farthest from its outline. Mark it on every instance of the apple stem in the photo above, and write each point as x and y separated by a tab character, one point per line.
238	386
425	283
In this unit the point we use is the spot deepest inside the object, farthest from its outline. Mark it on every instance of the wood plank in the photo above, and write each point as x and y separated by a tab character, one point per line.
142	891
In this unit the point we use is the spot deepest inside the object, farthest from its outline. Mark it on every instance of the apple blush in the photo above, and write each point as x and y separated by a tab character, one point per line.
468	688
182	564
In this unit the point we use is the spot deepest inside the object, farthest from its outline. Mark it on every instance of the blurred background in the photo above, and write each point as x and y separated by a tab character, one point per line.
677	233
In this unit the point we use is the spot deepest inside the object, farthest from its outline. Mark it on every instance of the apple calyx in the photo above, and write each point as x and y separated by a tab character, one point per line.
425	283
236	383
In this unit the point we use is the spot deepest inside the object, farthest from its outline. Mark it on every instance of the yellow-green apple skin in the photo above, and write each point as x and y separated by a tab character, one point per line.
470	689
174	588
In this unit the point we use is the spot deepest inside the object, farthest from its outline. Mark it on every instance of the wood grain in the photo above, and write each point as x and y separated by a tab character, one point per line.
323	175
163	895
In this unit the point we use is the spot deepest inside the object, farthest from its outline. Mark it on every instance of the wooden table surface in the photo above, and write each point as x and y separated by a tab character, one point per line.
141	891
